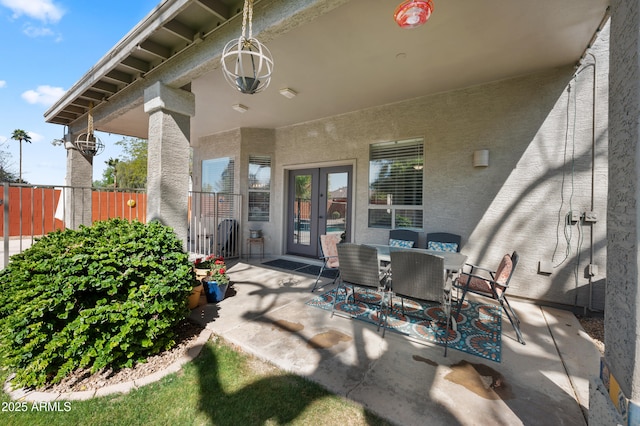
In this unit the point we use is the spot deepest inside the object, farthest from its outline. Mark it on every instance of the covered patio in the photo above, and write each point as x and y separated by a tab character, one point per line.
547	89
410	383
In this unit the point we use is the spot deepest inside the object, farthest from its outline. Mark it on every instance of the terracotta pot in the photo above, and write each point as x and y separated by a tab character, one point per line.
194	297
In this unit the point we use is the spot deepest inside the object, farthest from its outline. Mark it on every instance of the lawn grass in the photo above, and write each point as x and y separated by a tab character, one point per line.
223	386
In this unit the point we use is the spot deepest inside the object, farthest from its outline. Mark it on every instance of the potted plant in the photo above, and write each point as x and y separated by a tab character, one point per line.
217	281
202	266
196	292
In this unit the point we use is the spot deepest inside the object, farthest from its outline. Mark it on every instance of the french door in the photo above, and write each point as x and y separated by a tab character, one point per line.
319	203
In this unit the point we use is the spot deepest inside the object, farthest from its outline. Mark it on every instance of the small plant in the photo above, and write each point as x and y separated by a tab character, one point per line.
219	272
206	262
109	295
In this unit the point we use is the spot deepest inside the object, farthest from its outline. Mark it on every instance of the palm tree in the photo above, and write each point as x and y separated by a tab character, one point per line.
113	163
20	135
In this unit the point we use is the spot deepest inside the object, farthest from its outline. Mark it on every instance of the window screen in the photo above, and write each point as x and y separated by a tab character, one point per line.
259	187
395	184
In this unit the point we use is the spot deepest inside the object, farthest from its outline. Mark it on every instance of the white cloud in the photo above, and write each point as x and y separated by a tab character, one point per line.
44	95
3	84
35	137
34	32
42	10
3	139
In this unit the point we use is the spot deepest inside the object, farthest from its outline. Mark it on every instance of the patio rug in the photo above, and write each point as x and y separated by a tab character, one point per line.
479	325
304	268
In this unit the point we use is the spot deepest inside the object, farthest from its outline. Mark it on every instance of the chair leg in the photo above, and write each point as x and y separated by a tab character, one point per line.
460	302
380	314
335	298
447	312
318	278
389	307
513	318
446	336
336	278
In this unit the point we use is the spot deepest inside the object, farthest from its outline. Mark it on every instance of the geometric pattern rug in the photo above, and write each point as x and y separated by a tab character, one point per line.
478	331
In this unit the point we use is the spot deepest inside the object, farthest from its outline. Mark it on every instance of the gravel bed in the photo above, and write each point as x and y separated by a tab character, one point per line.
594	327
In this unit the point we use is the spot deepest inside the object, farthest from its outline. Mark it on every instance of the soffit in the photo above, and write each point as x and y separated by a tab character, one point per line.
354	57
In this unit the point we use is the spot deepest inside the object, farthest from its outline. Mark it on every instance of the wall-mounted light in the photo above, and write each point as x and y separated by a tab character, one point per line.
240	108
481	158
288	93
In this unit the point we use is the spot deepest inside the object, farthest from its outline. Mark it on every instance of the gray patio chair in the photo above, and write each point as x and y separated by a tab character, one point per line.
420	276
491	284
359	266
444	241
328	245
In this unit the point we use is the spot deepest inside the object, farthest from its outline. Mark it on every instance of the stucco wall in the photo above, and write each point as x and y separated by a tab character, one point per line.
538	130
239	144
539	134
622	318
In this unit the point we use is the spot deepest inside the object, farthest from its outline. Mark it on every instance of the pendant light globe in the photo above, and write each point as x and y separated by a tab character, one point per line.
247	65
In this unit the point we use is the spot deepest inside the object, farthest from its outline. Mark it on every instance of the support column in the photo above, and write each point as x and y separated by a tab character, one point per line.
79	178
615	397
170	111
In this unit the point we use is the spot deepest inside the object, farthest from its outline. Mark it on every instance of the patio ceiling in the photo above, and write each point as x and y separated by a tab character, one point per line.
351	57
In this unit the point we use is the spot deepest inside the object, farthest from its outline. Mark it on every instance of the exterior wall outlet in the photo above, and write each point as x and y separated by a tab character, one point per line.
593	269
574	216
545	267
590	216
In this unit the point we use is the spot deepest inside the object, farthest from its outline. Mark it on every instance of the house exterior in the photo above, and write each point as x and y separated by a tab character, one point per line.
383	129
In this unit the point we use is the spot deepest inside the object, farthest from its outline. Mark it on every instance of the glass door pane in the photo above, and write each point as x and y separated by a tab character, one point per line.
335	216
302	226
302	210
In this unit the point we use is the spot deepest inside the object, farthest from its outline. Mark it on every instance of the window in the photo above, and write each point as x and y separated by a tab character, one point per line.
218	175
395	184
259	187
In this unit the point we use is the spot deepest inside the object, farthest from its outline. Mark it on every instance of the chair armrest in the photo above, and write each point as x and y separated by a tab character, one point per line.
490	280
328	257
473	267
465	280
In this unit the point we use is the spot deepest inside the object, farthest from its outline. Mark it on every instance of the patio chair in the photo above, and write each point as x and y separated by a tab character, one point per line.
227	238
404	238
359	266
420	276
328	245
444	241
491	284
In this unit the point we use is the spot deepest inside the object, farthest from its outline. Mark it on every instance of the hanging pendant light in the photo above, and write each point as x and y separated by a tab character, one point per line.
246	63
88	143
413	13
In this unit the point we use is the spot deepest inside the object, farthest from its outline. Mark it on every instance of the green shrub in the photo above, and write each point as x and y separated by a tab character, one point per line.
108	295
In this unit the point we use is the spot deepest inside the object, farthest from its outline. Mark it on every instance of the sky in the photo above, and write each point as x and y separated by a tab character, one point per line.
46	46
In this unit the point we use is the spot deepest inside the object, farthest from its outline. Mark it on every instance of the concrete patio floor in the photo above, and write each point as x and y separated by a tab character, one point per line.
543	382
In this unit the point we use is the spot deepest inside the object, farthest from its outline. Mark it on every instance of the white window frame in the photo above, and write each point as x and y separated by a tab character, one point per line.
384	154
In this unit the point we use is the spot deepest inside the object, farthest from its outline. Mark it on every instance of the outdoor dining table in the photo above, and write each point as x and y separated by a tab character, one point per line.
453	262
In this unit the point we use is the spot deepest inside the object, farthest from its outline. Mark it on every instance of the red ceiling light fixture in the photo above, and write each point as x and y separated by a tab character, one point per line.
413	13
